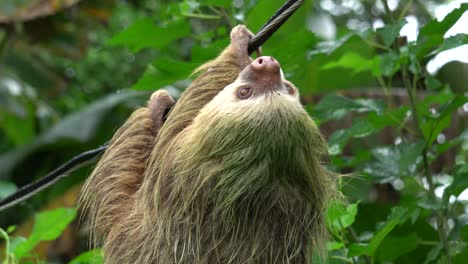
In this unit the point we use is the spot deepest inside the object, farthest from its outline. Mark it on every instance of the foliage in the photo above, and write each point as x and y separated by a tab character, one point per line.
406	149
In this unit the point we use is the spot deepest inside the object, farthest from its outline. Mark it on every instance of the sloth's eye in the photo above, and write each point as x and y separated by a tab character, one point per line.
290	89
244	92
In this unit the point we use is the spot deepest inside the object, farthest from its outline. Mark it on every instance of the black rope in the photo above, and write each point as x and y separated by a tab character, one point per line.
265	32
52	177
273	24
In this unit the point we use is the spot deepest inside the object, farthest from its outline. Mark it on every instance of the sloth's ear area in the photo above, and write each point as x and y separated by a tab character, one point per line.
160	104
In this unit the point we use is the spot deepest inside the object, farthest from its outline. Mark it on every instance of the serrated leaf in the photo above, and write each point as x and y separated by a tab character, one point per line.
47	226
394	161
146	34
360	128
432	34
435	27
453	42
335	107
353	61
390	32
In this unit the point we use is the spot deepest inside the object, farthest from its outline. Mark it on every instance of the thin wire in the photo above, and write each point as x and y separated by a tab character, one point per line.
52	177
273	24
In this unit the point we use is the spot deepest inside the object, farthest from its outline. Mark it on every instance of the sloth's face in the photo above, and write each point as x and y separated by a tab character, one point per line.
259	85
259	110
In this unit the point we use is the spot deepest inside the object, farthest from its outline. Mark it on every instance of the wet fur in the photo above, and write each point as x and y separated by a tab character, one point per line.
219	182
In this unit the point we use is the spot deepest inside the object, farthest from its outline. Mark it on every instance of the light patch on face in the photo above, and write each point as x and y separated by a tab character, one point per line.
226	101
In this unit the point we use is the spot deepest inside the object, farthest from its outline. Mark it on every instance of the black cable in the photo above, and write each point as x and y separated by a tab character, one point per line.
265	32
273	24
52	177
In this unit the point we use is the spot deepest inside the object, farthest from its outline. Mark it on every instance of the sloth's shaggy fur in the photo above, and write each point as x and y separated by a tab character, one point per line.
224	180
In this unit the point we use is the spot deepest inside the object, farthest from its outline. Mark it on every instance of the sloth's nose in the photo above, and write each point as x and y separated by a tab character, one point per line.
265	74
266	65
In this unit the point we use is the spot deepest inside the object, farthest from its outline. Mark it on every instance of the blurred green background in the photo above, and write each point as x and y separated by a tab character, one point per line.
384	79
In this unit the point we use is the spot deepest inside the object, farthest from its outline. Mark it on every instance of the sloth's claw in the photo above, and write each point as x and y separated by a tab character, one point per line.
159	105
240	37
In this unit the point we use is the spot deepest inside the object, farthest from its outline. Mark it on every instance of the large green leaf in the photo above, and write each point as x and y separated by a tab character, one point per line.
435	27
164	71
395	218
356	63
333	107
47	226
432	34
394	247
77	127
146	34
389	32
394	161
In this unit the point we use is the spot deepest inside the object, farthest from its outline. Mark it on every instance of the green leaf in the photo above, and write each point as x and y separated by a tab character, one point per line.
432	34
335	107
389	63
164	71
47	226
6	188
388	33
334	245
395	218
359	129
78	127
354	62
453	42
391	117
435	27
433	254
90	257
433	126
394	247
146	34
340	217
459	183
394	161
432	83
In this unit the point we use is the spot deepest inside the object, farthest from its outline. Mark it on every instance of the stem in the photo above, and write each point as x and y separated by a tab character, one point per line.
440	217
405	9
3	42
387	10
7	245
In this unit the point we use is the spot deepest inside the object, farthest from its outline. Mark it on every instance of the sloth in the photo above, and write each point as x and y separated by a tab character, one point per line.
232	173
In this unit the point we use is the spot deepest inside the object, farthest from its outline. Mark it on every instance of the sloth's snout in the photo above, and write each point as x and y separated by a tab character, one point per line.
264	74
266	65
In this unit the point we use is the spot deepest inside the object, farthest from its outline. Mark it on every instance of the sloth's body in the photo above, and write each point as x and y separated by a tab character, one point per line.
233	176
